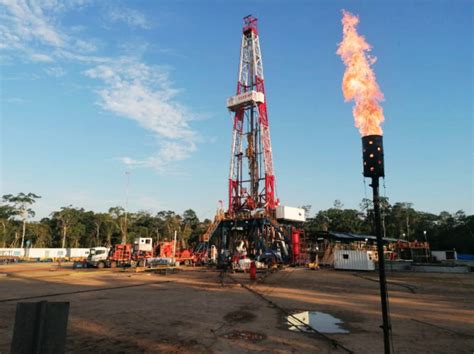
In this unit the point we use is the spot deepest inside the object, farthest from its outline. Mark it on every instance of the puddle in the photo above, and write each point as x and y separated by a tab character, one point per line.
320	321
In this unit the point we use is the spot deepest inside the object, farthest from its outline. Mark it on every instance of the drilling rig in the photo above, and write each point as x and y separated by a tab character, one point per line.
255	225
251	132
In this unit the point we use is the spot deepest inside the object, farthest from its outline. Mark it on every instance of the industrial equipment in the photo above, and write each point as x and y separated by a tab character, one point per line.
255	225
141	252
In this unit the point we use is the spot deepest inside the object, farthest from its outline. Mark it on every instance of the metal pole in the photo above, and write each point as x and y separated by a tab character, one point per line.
124	237
426	247
383	281
174	245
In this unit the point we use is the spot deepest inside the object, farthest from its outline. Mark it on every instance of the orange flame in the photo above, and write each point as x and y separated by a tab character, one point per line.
359	83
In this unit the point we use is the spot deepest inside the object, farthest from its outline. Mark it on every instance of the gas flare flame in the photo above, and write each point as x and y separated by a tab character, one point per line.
359	83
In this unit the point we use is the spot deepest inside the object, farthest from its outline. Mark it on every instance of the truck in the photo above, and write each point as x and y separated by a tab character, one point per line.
137	254
127	255
98	257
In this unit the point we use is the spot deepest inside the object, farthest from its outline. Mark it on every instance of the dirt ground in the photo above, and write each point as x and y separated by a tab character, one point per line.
199	310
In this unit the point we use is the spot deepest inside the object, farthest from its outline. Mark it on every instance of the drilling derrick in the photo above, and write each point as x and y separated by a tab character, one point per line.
255	227
251	178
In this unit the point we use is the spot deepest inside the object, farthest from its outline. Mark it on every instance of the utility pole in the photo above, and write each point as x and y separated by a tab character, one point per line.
124	236
426	246
408	222
174	244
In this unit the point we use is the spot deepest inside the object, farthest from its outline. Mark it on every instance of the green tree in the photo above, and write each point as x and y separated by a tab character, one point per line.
169	222
110	227
6	213
367	210
66	219
145	225
21	203
307	209
402	218
99	220
39	234
120	217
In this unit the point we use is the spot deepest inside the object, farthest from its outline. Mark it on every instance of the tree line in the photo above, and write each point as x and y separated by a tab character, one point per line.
76	227
444	231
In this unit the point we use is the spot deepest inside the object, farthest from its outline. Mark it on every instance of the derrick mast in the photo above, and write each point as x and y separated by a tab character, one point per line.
255	226
251	176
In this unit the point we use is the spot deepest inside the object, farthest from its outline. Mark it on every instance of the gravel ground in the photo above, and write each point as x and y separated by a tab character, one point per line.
199	310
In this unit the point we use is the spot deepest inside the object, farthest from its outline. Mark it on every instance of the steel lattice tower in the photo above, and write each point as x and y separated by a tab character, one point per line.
251	184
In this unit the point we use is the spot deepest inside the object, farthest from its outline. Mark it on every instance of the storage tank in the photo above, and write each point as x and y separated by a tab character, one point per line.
295	244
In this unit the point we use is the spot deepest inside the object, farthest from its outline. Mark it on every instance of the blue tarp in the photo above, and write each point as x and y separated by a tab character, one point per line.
358	237
465	257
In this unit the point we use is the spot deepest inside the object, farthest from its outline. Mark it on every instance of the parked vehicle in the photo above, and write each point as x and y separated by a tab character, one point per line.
44	254
141	251
98	257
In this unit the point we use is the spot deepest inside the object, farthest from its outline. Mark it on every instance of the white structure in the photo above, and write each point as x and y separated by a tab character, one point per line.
244	99
290	213
45	253
144	244
77	252
12	252
445	255
354	260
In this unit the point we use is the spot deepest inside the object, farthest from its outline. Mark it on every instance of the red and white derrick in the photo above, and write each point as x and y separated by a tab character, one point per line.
251	184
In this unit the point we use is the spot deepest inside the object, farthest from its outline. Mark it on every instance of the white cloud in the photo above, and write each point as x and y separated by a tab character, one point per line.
55	71
137	91
32	26
27	23
169	152
41	58
129	89
144	94
84	46
131	17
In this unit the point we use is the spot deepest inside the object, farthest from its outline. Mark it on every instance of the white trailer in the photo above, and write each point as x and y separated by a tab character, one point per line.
354	260
77	253
12	252
45	253
290	213
56	253
445	255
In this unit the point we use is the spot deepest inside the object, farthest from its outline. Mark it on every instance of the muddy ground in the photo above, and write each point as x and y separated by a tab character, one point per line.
197	310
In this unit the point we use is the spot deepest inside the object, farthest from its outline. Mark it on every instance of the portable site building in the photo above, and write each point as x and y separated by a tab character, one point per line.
354	260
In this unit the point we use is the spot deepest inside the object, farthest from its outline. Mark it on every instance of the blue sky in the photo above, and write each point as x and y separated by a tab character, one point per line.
90	90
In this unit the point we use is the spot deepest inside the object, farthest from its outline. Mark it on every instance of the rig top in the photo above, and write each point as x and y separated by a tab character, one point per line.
250	24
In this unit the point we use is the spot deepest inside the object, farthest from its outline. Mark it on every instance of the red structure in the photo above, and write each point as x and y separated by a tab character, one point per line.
295	243
254	226
251	184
